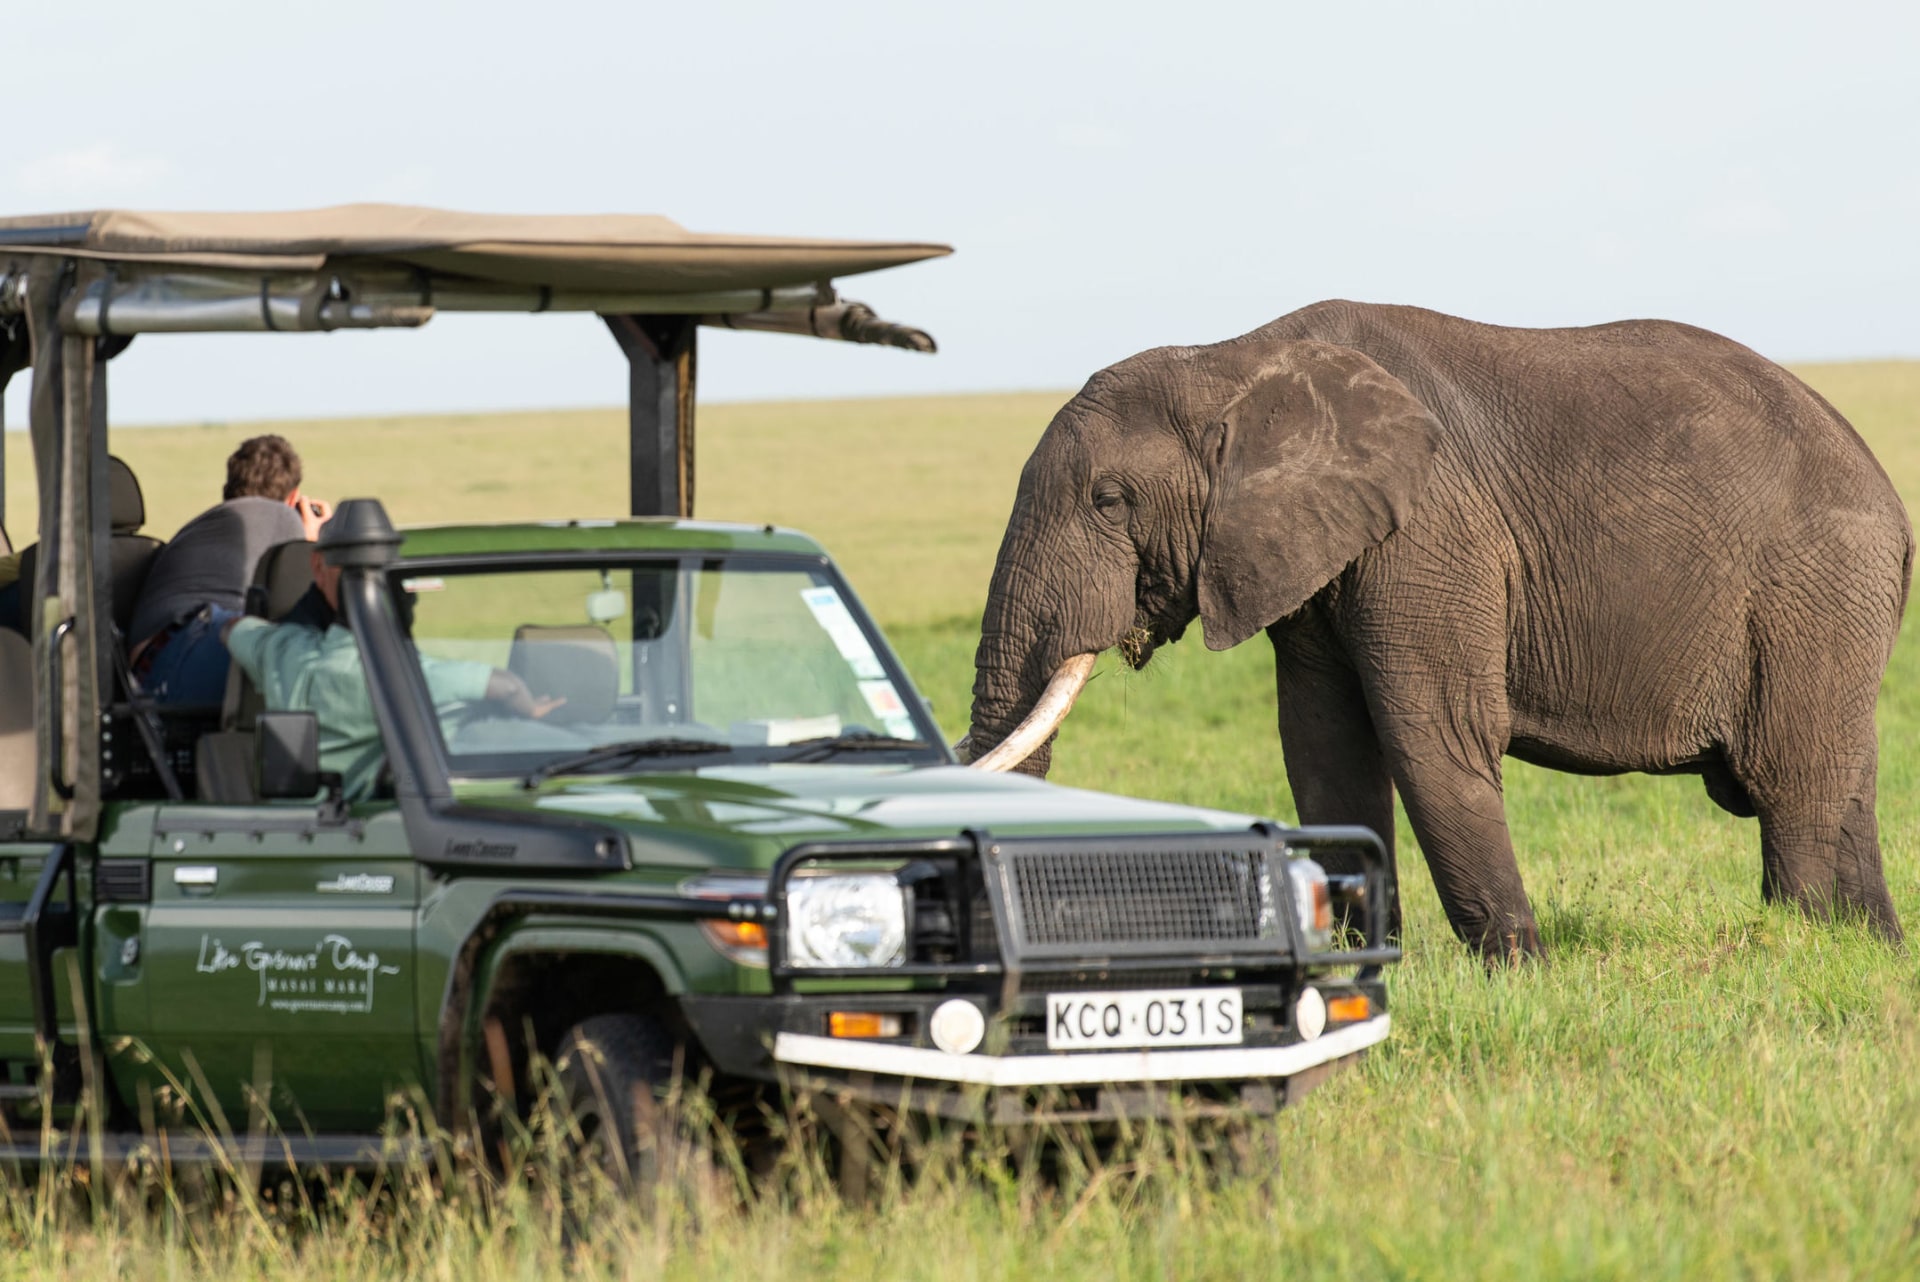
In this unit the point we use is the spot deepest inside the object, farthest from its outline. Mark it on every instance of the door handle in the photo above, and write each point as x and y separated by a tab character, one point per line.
200	878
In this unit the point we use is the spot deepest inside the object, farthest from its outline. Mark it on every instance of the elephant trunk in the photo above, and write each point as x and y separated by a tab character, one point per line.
1005	681
1037	646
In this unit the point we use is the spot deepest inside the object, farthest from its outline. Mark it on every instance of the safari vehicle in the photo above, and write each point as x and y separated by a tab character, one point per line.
737	846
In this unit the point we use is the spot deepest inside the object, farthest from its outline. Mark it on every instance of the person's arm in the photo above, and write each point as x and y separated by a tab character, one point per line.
246	640
464	681
508	690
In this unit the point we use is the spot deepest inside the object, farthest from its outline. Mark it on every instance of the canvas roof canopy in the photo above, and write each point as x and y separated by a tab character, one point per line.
373	266
604	252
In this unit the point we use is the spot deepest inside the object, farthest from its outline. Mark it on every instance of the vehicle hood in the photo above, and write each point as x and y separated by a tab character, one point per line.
745	816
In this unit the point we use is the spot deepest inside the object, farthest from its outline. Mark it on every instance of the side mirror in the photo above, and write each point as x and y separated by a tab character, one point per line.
286	755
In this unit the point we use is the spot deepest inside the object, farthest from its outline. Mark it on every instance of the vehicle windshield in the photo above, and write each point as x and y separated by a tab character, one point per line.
680	663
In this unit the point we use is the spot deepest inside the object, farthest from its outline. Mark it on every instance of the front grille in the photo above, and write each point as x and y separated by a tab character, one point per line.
1135	896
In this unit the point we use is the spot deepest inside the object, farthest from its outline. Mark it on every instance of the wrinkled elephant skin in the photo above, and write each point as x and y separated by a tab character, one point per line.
1630	547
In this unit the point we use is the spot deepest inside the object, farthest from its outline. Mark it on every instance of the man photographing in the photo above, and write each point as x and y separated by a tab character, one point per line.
198	582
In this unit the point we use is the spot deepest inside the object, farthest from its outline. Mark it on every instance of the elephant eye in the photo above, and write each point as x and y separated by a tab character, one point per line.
1109	499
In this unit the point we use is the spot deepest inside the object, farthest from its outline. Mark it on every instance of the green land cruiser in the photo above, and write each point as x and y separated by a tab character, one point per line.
737	846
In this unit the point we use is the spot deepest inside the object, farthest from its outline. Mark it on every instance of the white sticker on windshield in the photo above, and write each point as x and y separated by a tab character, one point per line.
886	705
832	614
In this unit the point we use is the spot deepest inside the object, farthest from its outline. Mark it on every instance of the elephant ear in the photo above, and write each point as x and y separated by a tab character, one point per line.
1321	455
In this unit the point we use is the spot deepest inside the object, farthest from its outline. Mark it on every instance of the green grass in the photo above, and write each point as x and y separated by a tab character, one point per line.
1694	1086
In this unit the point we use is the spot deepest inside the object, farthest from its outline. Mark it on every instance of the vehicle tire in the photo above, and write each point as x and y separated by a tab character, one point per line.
621	1076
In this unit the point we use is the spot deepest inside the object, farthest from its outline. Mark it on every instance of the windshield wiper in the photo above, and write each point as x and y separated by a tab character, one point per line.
608	754
856	741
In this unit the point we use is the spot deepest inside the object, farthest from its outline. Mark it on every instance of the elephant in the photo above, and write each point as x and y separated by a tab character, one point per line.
1636	546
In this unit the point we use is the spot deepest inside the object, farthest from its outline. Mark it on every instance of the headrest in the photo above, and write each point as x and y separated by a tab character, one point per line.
126	509
577	663
281	578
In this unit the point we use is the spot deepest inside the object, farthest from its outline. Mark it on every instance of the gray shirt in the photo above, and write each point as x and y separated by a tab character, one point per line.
211	561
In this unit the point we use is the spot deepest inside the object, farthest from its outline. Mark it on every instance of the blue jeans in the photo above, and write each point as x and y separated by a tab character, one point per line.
191	668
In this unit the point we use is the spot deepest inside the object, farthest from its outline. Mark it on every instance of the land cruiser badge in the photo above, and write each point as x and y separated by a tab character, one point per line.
357	883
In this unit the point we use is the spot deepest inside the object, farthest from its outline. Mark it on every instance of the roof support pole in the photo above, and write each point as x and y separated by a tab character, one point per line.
660	383
16	354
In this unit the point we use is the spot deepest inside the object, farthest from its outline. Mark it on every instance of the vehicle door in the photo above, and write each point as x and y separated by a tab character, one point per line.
21	864
280	946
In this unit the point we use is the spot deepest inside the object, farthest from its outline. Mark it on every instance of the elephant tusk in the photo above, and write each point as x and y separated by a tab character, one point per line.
1055	702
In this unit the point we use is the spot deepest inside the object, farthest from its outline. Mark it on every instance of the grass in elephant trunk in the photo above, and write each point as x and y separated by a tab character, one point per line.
1693	1085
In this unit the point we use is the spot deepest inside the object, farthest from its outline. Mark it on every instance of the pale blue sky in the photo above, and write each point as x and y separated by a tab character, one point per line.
1113	176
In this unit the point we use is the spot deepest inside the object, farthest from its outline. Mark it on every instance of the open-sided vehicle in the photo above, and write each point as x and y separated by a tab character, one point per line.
739	846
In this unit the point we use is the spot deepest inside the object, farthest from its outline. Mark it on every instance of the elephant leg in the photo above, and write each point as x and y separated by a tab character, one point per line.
1442	717
1457	808
1819	837
1424	622
1334	762
1809	758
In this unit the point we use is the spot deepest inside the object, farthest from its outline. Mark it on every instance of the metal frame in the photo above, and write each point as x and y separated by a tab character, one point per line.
661	374
978	852
964	851
83	309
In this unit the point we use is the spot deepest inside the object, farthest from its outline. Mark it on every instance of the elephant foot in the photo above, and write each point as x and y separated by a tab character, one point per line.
1512	949
1875	906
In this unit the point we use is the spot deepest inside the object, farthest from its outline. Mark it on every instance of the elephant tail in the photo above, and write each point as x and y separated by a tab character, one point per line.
1906	573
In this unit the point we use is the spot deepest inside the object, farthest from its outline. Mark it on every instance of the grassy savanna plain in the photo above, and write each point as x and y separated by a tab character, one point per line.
1695	1085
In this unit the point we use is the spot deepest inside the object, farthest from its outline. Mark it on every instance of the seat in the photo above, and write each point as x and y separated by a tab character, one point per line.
129	553
577	663
19	751
223	760
282	577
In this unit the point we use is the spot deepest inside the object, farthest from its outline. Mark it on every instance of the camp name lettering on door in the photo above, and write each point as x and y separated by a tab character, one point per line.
333	976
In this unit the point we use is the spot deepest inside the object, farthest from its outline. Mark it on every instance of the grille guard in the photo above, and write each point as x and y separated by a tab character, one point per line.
977	861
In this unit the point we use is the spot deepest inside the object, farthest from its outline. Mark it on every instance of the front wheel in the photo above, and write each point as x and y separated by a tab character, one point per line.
620	1076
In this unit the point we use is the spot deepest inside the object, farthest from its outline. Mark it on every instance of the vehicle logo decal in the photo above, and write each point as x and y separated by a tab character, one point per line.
333	976
481	850
358	883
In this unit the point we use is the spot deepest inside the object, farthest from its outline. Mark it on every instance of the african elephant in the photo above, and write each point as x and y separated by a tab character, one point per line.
1631	547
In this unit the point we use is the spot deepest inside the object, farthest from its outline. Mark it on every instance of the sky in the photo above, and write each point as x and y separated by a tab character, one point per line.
1113	176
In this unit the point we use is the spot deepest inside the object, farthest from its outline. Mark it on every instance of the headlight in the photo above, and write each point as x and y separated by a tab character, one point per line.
1312	901
846	919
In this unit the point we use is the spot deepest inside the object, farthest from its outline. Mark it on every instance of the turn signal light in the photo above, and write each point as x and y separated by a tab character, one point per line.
862	1023
1345	1010
742	941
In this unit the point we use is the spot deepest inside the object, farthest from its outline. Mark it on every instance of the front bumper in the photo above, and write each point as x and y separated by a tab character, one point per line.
1091	1068
783	1040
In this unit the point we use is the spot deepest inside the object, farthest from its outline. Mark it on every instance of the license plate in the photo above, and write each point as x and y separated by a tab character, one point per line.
1163	1017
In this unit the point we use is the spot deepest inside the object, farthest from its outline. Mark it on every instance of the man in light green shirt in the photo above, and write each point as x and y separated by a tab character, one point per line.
301	668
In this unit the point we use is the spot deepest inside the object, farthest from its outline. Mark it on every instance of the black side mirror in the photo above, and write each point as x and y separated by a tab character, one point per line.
286	755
